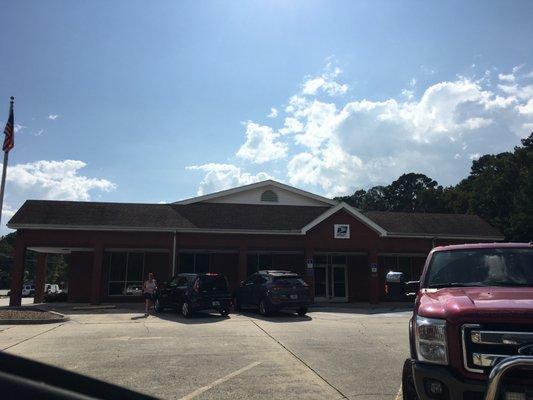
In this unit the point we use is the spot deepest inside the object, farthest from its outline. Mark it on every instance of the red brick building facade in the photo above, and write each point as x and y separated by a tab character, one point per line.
343	253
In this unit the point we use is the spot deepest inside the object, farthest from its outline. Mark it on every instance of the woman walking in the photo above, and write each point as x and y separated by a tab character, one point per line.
149	287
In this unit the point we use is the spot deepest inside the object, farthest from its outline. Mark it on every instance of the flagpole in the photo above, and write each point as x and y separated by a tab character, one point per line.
4	167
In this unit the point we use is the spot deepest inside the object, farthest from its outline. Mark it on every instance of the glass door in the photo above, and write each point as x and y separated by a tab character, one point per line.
338	283
330	278
321	283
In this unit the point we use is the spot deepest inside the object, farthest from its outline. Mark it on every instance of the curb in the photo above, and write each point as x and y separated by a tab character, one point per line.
60	318
33	321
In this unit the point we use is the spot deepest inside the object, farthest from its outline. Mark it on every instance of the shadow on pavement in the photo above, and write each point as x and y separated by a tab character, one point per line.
278	316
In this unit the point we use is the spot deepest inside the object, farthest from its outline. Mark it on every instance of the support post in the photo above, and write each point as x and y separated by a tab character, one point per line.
17	271
242	265
310	273
40	277
375	290
96	283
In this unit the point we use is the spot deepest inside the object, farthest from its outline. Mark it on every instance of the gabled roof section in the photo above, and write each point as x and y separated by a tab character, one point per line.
353	211
460	226
213	197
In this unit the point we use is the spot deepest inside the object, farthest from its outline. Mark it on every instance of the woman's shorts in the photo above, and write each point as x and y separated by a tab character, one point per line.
148	296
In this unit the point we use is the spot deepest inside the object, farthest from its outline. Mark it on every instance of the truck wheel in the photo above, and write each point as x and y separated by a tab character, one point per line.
186	310
264	307
408	383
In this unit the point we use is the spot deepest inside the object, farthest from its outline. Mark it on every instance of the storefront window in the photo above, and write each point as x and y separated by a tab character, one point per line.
194	262
258	261
125	273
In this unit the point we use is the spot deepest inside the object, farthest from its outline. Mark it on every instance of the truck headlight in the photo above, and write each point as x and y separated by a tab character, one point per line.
430	338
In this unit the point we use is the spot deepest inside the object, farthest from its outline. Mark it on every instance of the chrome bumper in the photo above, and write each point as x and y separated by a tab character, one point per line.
503	367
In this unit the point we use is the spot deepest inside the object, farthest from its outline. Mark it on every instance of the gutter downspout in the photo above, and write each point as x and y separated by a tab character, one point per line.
174	256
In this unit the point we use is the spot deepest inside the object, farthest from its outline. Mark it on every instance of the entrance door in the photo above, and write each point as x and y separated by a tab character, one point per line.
321	283
330	278
338	283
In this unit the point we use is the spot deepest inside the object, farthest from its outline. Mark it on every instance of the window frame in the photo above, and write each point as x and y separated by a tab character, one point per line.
126	281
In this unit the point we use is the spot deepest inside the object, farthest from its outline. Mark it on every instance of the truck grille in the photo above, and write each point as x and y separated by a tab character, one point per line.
485	345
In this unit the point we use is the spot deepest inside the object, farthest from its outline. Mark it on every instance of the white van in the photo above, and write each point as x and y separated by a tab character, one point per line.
52	288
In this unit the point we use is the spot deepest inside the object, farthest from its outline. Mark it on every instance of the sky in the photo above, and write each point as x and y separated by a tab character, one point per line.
136	101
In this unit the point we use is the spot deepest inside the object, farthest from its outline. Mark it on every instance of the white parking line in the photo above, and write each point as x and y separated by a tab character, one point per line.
219	381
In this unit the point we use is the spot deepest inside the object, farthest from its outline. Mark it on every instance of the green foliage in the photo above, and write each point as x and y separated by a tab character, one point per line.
56	266
498	189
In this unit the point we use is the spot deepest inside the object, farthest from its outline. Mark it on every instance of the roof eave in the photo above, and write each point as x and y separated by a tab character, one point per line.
152	229
443	236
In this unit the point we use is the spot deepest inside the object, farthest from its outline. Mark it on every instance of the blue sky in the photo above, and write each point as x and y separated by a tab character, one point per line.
148	102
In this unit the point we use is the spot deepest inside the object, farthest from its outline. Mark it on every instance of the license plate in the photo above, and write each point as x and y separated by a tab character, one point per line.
293	296
216	303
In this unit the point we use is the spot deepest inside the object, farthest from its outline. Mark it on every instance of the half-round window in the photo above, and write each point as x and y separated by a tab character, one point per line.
269	195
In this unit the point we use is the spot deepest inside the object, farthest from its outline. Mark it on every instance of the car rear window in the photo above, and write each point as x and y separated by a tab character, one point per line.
288	281
213	282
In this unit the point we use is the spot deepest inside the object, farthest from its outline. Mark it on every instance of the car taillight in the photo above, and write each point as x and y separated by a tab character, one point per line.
196	286
386	289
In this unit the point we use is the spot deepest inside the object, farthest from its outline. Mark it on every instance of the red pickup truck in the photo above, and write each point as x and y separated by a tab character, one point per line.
471	333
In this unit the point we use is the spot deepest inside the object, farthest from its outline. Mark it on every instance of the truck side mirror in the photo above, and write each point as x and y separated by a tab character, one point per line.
411	288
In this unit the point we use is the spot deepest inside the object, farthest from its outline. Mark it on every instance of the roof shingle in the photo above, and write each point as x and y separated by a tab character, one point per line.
227	216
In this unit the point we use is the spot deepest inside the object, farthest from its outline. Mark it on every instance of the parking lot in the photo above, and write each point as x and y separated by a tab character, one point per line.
332	353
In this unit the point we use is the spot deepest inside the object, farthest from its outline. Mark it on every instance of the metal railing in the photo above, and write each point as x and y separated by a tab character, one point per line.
501	369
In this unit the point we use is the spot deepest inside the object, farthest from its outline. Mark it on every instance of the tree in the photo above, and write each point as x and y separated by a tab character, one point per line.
413	192
499	189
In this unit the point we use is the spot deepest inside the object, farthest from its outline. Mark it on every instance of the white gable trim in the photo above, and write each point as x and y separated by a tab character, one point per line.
269	182
356	214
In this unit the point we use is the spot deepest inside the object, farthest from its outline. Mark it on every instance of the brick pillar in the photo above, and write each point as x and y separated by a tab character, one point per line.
310	279
17	271
40	277
375	289
96	283
241	275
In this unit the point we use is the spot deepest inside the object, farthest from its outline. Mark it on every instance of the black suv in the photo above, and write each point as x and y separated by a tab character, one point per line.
194	292
272	291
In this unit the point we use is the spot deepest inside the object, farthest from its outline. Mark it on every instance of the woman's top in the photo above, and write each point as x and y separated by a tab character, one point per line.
149	286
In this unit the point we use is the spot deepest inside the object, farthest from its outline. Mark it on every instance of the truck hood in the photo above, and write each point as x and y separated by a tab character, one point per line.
476	303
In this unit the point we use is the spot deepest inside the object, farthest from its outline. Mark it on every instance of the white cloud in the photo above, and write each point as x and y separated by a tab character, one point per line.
261	144
506	77
335	147
292	125
53	117
325	82
54	180
18	128
273	113
225	176
526	108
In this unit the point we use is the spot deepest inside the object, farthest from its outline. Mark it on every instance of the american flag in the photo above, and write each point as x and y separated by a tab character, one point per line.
9	130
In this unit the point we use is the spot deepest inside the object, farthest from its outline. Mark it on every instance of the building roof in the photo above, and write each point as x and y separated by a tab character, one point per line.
229	217
431	224
131	216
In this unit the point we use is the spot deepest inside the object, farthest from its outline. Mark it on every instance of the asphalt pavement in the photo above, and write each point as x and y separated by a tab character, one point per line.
329	354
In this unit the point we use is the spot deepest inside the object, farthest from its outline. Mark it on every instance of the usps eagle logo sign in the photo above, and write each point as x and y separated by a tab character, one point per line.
341	231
